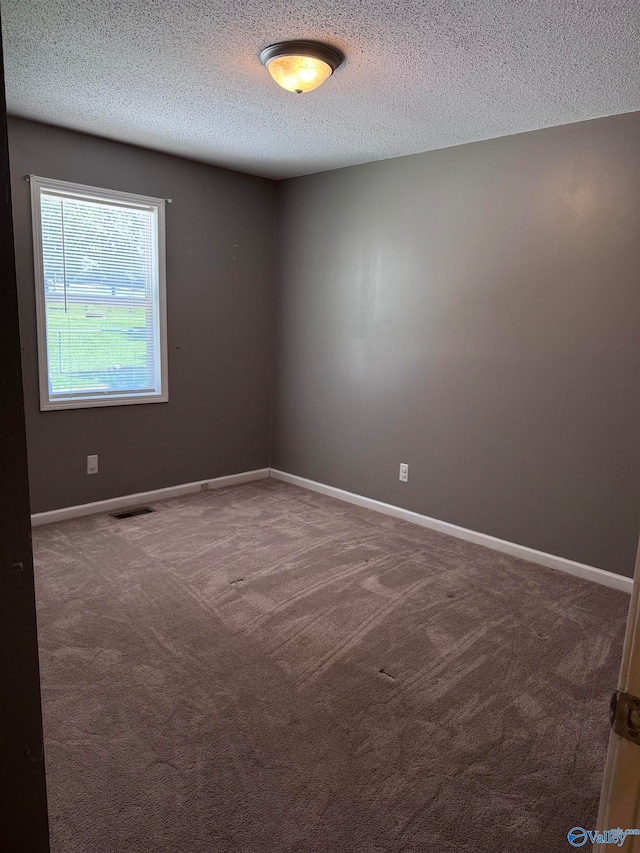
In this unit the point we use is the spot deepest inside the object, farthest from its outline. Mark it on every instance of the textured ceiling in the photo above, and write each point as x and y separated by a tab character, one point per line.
183	76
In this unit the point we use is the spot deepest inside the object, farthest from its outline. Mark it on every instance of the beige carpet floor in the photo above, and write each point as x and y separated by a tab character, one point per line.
262	669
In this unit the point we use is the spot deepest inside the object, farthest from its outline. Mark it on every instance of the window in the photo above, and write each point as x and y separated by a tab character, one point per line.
100	295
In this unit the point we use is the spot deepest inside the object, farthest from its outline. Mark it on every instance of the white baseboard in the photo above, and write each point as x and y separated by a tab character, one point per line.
521	551
110	504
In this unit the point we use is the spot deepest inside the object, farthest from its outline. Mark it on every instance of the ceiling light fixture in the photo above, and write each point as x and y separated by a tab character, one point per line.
300	66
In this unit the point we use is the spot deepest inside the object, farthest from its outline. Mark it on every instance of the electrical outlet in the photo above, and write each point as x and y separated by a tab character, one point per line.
404	472
92	464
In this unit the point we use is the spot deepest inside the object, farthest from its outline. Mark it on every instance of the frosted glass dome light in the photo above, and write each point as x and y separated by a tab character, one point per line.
300	66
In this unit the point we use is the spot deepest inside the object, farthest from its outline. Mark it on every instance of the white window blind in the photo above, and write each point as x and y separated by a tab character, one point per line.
101	299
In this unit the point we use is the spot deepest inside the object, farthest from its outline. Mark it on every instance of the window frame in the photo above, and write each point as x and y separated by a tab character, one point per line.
90	193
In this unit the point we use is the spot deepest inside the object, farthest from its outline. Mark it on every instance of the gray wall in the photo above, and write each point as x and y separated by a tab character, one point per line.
474	312
219	296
